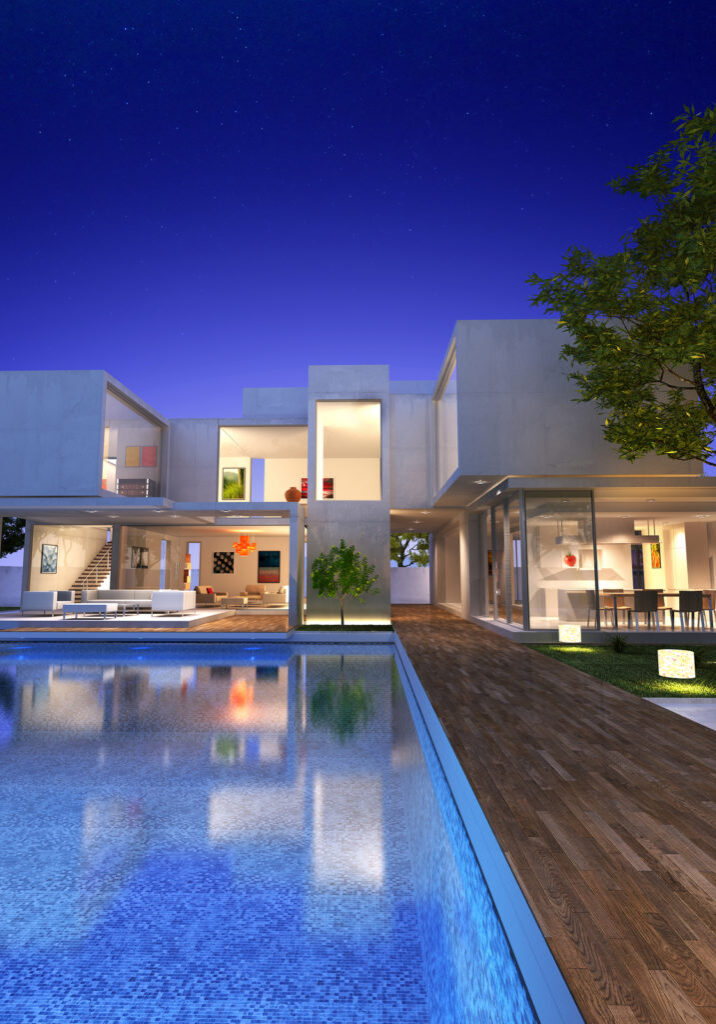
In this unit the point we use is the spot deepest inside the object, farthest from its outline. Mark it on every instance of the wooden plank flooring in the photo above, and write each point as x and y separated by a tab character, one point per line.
230	623
605	806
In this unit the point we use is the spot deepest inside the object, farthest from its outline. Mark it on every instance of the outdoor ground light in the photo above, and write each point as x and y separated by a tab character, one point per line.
675	664
570	634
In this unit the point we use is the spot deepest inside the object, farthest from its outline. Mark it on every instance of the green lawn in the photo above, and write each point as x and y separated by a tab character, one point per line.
635	669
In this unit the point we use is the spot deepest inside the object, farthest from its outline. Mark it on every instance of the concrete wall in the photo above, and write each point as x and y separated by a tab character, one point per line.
77	546
515	409
51	424
193	460
410	584
275	404
410	450
364	524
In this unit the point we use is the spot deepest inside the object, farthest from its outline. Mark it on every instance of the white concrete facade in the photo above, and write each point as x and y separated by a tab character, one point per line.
464	458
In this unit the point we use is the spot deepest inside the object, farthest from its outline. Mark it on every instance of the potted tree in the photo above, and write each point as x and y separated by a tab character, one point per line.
343	572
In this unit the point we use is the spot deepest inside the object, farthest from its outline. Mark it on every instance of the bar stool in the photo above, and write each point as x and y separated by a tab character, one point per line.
647	602
691	602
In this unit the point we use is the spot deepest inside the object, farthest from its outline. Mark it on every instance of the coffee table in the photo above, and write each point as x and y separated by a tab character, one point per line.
90	608
234	602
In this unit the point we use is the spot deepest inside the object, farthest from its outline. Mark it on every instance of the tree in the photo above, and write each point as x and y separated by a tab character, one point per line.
343	572
409	549
13	535
643	320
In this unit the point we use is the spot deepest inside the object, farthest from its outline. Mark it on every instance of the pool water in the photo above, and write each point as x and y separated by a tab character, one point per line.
240	833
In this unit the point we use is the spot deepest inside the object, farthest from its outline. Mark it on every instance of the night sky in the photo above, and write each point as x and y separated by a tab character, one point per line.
201	196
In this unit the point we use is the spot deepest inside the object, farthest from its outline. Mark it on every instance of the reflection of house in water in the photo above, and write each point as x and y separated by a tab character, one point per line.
159	757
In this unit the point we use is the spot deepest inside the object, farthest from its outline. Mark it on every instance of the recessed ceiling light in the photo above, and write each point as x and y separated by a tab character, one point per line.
651	499
92	511
498	492
479	481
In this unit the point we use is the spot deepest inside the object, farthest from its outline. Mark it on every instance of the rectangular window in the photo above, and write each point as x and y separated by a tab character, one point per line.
348	441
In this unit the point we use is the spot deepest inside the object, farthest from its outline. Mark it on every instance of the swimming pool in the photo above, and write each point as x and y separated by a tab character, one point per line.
239	833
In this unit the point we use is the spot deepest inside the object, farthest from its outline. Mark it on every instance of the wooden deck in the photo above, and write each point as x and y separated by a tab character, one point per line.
605	806
230	623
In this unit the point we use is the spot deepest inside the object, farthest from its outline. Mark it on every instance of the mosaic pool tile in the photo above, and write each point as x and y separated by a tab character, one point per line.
199	847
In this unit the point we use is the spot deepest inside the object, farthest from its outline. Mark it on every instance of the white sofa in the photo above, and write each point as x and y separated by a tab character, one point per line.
173	601
45	601
124	598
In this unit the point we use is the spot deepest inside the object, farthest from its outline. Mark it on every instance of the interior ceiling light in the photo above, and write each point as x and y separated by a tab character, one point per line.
479	481
651	499
242	546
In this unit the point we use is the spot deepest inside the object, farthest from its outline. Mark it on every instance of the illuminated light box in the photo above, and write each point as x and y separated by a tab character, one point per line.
570	634
677	664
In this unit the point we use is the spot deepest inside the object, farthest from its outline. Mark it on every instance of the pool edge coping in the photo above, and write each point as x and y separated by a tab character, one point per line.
550	995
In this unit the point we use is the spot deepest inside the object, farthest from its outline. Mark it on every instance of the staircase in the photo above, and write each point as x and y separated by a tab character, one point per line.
96	573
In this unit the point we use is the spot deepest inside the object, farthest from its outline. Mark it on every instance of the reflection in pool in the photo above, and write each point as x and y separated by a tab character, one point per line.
253	836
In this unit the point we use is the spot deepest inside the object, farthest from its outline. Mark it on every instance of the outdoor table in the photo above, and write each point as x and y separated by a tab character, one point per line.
90	608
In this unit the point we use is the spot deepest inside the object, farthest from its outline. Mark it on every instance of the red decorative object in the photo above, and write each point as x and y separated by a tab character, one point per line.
242	545
293	494
304	486
570	559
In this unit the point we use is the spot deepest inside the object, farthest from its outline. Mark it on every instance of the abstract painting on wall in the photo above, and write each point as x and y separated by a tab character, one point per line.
223	561
139	558
656	556
233	484
269	567
132	455
48	558
328	487
149	455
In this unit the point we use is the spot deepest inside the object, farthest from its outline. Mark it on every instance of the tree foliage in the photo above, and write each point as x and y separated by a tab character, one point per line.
13	535
643	320
343	572
410	549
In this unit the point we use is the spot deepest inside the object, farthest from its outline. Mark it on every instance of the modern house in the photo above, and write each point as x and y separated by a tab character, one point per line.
530	511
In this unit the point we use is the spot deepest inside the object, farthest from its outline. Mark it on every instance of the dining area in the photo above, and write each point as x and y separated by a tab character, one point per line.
654	608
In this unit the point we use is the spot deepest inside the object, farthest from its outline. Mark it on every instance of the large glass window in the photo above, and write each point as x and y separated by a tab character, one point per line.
560	559
262	463
517	605
446	429
348	451
131	457
499	575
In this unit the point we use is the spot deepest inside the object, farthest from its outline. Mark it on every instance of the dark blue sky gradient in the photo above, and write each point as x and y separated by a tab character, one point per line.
202	196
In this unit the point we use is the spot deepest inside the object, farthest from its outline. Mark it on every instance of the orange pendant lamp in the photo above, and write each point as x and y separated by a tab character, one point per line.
242	545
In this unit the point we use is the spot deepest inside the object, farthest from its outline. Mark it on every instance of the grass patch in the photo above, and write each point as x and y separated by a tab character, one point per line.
635	669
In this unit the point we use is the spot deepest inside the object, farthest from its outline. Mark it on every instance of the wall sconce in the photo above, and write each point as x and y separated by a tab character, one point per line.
675	664
569	633
242	546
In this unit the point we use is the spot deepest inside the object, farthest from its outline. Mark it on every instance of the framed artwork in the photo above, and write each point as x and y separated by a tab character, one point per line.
327	487
304	487
223	561
132	455
149	455
139	558
48	558
269	567
655	556
233	484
